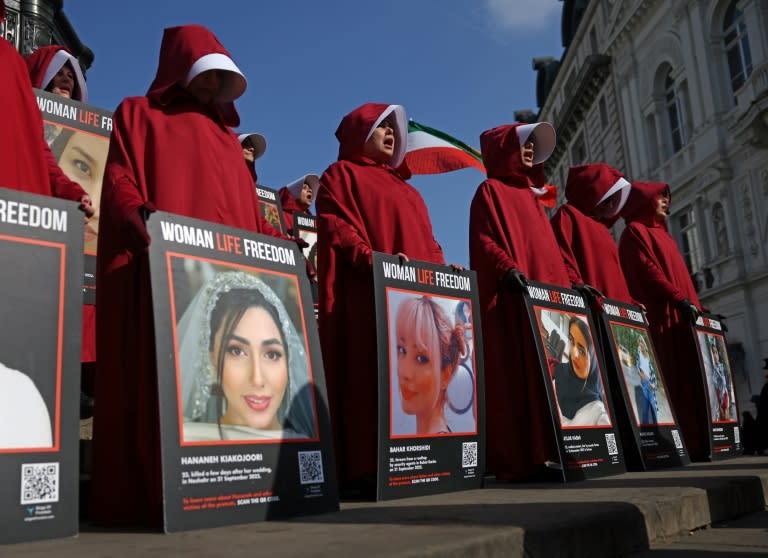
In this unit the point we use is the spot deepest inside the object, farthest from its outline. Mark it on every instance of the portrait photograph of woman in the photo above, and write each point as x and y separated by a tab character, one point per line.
432	369
82	157
717	368
243	369
30	345
645	387
573	368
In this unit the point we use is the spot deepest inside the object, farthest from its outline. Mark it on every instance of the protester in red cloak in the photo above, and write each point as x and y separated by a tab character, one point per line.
54	69
22	146
364	205
596	193
22	161
171	150
297	197
510	239
254	145
658	278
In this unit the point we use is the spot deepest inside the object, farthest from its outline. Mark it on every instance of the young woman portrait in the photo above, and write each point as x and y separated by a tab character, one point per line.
244	369
428	350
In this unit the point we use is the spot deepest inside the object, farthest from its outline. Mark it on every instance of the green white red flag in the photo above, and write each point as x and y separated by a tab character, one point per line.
431	151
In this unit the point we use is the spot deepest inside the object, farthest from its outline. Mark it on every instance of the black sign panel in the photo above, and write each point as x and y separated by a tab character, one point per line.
715	364
244	418
271	208
41	267
305	227
431	404
574	376
78	135
640	392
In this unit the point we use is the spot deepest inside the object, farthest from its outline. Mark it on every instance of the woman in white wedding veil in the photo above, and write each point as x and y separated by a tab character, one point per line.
227	303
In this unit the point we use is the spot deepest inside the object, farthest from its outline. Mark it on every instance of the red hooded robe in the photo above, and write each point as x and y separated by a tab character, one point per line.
362	207
38	63
23	165
587	247
168	151
509	229
658	278
290	206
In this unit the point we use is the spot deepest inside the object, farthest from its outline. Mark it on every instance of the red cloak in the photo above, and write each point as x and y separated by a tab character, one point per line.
509	229
38	64
290	206
169	151
23	164
658	278
362	207
589	252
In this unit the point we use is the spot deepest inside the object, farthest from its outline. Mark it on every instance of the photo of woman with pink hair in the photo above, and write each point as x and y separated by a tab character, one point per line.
432	380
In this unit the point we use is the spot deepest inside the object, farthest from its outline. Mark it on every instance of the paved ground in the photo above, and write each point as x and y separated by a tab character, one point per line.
746	537
615	516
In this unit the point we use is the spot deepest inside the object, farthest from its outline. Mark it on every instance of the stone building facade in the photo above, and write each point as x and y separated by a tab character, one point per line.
677	92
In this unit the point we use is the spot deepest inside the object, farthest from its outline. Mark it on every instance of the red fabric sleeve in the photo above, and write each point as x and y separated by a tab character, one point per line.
350	243
562	226
61	186
122	196
346	239
488	233
439	256
639	263
266	228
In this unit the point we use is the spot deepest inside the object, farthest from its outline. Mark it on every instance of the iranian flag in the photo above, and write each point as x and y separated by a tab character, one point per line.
431	151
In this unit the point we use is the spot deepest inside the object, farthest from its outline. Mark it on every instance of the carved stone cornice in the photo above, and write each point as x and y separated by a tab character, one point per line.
751	127
586	88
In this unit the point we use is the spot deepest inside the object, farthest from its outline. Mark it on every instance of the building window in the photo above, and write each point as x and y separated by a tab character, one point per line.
578	151
593	40
653	144
674	108
736	46
686	225
603	112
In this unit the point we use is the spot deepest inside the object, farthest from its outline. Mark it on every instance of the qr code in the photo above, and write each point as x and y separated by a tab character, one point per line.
736	435
610	441
311	467
677	440
469	454
39	483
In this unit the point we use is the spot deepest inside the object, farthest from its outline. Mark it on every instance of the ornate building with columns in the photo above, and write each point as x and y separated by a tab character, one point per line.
31	24
677	92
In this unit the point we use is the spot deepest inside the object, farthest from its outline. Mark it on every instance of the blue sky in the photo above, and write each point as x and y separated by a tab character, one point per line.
457	65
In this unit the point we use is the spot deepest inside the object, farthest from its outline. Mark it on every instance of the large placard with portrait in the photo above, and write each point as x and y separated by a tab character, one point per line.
41	262
305	228
431	404
651	432
78	135
245	429
574	377
725	436
271	207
